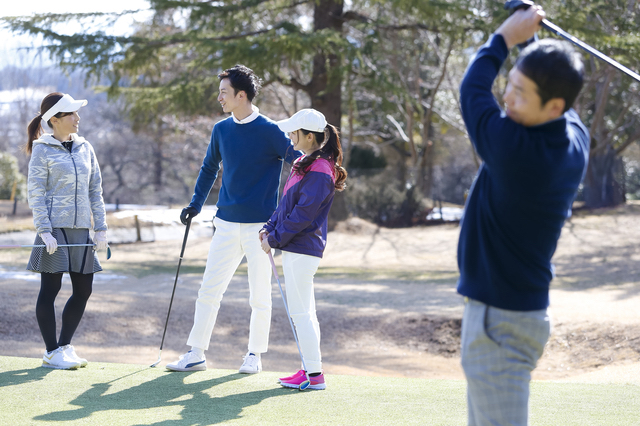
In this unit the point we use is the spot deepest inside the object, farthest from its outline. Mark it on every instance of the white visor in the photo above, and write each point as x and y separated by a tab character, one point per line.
307	119
65	104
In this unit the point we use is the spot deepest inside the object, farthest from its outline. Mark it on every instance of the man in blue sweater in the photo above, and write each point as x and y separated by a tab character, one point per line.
251	148
534	157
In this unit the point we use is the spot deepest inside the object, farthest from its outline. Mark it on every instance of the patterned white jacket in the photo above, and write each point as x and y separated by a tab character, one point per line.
65	188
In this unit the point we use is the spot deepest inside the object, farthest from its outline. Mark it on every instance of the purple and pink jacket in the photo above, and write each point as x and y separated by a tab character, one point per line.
299	224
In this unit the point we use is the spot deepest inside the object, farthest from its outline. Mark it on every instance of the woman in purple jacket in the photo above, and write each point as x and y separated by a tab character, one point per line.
298	227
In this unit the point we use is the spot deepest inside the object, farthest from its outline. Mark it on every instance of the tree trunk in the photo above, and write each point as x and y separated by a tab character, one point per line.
604	182
158	158
325	89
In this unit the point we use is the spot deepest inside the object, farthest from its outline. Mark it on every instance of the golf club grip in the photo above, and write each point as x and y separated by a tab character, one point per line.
186	235
560	32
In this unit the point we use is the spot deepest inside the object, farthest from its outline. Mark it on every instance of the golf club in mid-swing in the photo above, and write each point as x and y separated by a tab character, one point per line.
59	245
513	5
307	382
184	244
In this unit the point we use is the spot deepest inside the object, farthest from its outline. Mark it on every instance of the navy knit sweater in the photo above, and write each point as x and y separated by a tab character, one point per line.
521	196
252	155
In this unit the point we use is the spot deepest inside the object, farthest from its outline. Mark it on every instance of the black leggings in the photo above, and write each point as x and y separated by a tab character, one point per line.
45	309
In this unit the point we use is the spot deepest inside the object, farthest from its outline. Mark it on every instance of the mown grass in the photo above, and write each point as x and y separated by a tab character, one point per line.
122	263
117	394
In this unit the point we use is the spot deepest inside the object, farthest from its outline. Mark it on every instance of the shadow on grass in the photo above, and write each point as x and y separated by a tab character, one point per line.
611	266
198	406
20	377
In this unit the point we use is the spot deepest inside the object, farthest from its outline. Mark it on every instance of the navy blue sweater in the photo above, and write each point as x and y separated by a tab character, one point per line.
521	196
252	156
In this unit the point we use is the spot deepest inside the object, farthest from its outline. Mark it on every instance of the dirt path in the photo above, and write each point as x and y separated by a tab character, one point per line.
386	303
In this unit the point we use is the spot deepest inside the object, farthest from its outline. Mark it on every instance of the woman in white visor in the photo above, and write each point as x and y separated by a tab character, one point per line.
65	194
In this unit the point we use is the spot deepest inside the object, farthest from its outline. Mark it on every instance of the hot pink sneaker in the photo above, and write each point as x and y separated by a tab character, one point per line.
315	382
293	376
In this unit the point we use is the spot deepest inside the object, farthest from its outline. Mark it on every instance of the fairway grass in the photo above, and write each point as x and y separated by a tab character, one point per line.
125	394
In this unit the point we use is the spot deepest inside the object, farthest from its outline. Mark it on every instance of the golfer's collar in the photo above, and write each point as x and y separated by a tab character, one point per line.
554	124
250	118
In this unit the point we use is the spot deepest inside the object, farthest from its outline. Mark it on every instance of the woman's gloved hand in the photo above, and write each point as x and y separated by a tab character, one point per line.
50	242
100	238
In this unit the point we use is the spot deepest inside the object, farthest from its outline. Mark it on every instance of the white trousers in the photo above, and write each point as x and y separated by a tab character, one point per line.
229	244
299	270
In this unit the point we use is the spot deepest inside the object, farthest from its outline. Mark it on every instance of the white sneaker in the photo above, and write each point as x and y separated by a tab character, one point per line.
189	362
70	351
251	365
59	359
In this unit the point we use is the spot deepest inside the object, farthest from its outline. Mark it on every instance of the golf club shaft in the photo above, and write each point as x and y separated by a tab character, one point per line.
175	282
560	32
286	308
42	245
59	245
514	5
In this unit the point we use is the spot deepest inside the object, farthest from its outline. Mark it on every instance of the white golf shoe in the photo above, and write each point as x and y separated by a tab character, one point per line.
189	362
251	365
58	359
70	352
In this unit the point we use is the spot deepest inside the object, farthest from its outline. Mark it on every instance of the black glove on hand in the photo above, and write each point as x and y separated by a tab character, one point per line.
188	213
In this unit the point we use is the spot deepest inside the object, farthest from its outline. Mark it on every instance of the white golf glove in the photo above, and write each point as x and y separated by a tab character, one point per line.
50	242
100	238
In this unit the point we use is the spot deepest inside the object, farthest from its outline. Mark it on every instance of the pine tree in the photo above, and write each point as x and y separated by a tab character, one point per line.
169	64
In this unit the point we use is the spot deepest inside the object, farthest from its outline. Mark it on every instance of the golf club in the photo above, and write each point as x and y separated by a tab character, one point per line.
307	382
184	244
59	245
513	5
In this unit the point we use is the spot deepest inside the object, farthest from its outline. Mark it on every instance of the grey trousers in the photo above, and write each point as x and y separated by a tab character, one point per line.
500	348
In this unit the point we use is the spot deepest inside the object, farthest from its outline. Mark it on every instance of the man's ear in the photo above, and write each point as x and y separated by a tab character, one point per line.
554	108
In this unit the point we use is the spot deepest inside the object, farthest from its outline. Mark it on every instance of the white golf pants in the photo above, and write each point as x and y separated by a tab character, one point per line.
229	244
299	270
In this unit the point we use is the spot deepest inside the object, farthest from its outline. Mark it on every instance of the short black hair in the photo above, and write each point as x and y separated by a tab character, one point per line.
555	67
244	79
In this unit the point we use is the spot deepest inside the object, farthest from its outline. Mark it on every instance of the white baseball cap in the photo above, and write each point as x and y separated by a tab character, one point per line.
65	104
307	119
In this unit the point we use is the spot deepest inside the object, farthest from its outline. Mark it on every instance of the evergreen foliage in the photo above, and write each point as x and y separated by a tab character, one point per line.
390	68
9	176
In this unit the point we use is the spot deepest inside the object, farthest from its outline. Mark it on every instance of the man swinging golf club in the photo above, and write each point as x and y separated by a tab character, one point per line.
251	148
534	157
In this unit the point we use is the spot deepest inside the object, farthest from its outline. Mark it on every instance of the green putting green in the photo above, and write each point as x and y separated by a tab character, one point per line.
125	394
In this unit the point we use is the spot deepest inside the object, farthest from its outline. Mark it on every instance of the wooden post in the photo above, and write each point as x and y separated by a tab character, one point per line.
138	236
13	190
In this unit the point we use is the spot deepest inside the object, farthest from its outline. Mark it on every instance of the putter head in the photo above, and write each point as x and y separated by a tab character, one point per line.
304	385
108	252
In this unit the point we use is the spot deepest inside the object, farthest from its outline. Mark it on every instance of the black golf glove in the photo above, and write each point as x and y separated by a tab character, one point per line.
188	213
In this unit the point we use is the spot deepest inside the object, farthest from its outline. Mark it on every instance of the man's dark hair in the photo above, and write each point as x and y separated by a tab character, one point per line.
242	78
555	67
